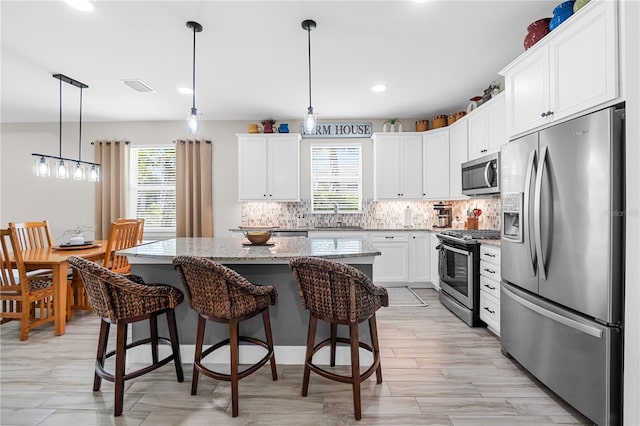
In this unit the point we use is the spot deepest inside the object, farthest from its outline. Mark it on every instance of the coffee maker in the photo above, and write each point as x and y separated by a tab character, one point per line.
444	215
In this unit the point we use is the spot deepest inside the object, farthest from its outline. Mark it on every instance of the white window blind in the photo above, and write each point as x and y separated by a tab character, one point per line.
336	178
152	187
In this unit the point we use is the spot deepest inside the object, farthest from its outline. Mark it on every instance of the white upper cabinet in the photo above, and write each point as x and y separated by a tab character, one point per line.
487	128
398	166
435	174
573	69
458	154
269	167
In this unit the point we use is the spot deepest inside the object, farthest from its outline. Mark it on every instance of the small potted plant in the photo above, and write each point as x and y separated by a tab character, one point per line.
267	125
76	234
392	125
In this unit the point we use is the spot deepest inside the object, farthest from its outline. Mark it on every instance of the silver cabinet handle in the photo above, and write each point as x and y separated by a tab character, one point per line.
490	287
489	310
537	215
489	254
489	271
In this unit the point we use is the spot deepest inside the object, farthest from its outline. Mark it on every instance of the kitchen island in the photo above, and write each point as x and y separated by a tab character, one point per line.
261	265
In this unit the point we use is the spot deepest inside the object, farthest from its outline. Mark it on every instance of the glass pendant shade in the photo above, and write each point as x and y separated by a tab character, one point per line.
62	172
94	174
78	172
42	167
192	122
310	122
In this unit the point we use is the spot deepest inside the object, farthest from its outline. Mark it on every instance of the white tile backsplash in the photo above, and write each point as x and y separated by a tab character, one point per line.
375	214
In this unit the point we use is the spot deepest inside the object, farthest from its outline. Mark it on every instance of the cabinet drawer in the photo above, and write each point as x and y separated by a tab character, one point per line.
490	270
490	254
490	286
490	311
389	237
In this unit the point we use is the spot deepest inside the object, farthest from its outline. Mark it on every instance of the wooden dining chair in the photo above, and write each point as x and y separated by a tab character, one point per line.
28	299
122	235
32	235
140	224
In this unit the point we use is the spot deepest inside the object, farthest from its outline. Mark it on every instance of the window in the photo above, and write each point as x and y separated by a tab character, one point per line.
152	188
336	178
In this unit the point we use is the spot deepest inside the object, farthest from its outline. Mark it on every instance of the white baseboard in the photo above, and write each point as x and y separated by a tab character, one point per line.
249	354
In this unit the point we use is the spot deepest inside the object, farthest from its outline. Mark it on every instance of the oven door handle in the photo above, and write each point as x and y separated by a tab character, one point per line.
455	250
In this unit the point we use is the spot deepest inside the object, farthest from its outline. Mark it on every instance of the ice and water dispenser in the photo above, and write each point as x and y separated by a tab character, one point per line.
512	216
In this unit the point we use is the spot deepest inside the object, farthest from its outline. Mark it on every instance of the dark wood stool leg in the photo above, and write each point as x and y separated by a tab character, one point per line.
121	359
373	330
311	338
269	337
198	355
233	346
153	330
102	350
355	368
334	343
175	344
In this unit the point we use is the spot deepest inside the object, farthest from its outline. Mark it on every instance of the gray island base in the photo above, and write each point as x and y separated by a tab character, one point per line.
261	265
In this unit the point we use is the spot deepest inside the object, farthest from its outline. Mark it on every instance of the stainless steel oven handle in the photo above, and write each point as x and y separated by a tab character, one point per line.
584	328
537	215
453	249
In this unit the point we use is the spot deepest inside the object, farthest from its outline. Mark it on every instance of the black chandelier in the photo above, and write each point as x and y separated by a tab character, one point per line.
83	169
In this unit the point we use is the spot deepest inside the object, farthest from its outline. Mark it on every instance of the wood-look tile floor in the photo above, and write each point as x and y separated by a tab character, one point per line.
436	371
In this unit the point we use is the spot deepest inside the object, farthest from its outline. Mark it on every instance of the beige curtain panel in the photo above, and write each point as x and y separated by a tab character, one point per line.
194	188
111	194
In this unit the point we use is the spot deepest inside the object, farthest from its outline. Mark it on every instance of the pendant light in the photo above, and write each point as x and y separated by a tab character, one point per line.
192	121
61	167
309	125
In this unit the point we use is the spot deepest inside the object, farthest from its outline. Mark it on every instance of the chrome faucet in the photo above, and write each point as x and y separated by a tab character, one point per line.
335	215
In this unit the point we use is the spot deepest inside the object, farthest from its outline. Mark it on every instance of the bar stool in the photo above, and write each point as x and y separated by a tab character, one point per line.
120	300
220	294
339	294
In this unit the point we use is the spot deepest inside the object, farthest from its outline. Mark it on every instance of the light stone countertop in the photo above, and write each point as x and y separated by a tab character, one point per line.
234	250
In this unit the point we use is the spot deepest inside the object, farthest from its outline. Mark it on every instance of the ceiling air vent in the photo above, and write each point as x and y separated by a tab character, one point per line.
139	85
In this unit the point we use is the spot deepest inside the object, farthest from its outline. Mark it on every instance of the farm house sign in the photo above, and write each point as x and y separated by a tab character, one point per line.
341	130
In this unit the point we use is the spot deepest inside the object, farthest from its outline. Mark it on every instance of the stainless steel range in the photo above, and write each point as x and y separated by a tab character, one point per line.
459	271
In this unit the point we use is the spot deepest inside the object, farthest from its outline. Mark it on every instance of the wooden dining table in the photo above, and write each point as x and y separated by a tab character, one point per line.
55	258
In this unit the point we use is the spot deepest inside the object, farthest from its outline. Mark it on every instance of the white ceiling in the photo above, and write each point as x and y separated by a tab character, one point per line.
251	58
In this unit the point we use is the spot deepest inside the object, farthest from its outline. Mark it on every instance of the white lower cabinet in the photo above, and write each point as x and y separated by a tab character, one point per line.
419	259
393	265
490	287
434	256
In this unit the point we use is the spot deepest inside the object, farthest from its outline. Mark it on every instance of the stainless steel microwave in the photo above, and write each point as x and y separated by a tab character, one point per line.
480	176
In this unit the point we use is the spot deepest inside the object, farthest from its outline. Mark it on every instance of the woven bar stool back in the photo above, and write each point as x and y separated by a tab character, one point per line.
339	294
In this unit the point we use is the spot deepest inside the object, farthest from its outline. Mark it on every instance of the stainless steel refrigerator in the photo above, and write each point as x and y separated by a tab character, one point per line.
562	250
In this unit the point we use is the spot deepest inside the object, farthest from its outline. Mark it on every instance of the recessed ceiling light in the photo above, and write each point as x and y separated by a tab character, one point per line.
83	5
185	90
379	88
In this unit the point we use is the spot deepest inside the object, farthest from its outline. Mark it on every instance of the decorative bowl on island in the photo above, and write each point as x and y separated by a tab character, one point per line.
257	234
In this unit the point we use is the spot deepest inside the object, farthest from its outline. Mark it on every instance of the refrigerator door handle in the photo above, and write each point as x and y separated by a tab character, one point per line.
584	328
537	219
525	207
486	174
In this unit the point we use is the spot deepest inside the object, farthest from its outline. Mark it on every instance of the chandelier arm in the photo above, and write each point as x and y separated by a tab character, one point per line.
80	130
